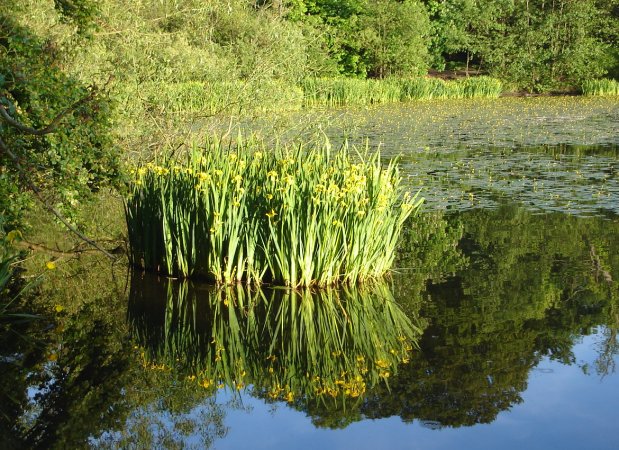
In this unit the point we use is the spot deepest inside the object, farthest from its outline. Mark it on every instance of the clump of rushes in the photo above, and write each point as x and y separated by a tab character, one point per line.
347	91
603	87
289	216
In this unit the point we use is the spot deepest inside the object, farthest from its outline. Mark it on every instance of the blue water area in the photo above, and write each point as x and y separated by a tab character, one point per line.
562	407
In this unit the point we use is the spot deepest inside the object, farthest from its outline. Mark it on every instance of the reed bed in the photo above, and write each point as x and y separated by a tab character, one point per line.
209	98
289	215
603	87
232	97
341	92
287	345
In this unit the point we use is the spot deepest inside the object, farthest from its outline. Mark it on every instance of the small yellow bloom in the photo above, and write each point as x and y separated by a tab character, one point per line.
272	175
382	363
289	397
271	214
50	265
59	308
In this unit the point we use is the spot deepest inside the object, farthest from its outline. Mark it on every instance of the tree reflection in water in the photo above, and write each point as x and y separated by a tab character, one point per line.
528	287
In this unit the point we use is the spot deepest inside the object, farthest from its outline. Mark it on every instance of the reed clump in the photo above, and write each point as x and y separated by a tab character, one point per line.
290	216
602	87
345	91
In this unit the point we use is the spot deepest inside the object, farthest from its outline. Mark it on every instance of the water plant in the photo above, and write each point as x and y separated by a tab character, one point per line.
602	87
12	287
288	215
351	91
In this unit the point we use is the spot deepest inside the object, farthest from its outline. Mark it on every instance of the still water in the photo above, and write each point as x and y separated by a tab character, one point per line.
498	327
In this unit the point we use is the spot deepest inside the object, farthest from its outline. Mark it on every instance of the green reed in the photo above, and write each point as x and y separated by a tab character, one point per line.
603	87
285	344
217	97
288	215
232	97
346	91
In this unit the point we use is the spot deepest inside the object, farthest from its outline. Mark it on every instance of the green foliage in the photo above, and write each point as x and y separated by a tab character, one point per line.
533	45
81	13
218	97
393	38
76	156
286	215
375	38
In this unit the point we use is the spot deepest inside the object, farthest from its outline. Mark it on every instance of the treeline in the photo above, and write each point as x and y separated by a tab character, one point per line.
534	45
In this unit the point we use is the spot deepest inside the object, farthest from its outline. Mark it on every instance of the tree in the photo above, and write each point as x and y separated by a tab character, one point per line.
394	38
534	45
55	137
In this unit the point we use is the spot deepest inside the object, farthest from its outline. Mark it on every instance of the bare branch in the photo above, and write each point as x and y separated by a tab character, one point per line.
53	124
4	148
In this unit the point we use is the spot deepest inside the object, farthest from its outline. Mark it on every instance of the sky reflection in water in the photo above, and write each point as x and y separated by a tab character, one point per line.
562	408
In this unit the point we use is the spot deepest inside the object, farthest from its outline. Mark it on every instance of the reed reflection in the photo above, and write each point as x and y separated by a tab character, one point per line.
280	344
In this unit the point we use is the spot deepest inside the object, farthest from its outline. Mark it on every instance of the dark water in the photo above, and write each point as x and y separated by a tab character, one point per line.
497	329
